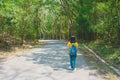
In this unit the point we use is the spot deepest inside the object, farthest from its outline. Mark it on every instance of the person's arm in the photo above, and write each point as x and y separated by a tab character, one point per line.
68	45
76	44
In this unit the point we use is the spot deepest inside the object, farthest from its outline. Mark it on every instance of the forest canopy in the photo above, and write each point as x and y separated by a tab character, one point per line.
58	19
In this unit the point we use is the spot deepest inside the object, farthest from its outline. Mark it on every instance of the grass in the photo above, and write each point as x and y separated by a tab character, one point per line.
96	64
81	47
106	51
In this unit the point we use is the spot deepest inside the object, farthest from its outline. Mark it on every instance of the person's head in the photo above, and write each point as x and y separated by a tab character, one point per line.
72	39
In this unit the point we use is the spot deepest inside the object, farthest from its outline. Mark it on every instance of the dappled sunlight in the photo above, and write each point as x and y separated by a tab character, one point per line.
34	36
50	62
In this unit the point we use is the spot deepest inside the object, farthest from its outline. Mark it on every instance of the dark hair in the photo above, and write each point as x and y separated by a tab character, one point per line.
72	39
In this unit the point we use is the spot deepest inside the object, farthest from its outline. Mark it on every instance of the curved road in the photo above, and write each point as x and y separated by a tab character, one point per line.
50	62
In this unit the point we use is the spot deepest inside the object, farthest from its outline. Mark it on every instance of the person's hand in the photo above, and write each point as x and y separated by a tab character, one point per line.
68	53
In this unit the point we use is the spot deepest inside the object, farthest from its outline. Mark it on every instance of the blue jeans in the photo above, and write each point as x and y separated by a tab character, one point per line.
73	61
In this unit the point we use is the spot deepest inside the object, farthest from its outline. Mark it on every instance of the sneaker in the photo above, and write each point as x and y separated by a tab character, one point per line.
69	67
74	69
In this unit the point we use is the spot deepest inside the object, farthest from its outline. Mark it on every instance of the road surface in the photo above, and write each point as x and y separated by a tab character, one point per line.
49	62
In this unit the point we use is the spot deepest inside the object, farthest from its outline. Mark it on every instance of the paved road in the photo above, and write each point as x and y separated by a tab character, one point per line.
50	62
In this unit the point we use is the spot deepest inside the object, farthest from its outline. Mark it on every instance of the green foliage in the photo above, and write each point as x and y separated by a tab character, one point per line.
106	51
88	19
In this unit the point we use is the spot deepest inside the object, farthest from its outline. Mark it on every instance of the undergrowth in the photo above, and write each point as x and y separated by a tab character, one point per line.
106	51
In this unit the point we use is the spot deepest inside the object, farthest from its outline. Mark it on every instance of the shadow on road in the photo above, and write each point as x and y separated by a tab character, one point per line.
56	56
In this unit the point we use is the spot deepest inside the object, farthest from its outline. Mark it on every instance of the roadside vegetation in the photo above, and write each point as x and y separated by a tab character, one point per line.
108	52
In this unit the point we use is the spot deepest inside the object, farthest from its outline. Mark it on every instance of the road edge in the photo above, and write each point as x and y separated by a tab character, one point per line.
103	61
